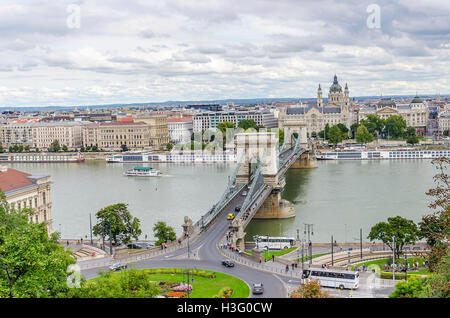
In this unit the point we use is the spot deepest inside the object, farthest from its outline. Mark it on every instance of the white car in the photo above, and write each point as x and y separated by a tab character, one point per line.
244	193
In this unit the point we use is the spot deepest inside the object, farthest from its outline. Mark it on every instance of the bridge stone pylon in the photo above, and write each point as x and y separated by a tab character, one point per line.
258	146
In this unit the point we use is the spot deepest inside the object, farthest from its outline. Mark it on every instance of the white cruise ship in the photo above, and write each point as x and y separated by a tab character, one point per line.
176	157
378	155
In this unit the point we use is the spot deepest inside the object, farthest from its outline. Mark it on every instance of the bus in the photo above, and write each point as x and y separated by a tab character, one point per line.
273	243
333	278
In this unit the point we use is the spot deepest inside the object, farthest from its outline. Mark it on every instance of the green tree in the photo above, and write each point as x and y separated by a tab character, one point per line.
408	289
374	124
327	131
27	148
412	140
163	232
64	148
169	146
95	148
2	150
311	289
410	131
335	135
343	128
32	263
435	226
11	149
353	129
405	232
123	225
248	123
363	135
395	126
224	126
54	147
437	284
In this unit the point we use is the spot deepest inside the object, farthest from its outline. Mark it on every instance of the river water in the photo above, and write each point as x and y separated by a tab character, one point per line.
339	197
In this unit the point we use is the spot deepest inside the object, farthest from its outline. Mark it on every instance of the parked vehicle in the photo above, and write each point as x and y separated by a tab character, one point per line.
228	263
237	209
117	267
134	246
258	289
244	193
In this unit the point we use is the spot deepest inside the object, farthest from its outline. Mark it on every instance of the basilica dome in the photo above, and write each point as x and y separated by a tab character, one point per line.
335	87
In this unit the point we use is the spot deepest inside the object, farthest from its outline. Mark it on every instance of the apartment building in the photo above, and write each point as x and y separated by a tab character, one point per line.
158	129
23	190
115	135
209	120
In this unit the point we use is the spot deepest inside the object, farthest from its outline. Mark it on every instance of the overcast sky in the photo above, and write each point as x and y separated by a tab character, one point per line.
149	51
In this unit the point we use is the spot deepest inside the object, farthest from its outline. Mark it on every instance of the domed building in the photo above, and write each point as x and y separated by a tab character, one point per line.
317	115
415	113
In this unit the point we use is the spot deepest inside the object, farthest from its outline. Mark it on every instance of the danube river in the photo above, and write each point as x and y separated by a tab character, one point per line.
339	197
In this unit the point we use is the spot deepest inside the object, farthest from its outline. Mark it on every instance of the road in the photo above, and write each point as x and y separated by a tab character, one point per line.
208	257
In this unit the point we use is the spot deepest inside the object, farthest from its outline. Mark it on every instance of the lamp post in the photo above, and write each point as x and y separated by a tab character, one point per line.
332	254
393	260
90	227
309	229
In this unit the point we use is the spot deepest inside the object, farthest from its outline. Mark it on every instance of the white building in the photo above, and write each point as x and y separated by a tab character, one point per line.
180	129
209	120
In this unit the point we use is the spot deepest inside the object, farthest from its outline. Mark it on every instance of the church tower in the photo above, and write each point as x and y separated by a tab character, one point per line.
346	96
319	97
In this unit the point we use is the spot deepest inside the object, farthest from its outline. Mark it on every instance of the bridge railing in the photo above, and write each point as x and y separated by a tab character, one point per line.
226	197
258	198
252	187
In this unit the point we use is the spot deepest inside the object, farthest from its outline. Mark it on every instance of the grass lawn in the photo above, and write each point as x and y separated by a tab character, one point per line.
203	287
268	254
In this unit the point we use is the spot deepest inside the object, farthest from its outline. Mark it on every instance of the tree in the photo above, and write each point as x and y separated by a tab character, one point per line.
131	283
326	130
224	126
353	129
395	126
435	226
405	232
437	284
95	148
32	263
363	135
64	148
117	218
412	140
335	135
311	289
54	147
343	128
169	146
410	131
373	123
163	232
123	147
27	148
248	123
2	150
408	289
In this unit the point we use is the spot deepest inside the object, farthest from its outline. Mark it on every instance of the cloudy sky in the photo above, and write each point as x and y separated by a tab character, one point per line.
56	52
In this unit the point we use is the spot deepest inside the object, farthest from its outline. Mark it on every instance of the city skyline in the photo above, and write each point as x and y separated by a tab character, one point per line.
78	53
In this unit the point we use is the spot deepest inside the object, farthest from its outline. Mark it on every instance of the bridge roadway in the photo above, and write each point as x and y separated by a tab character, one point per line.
204	253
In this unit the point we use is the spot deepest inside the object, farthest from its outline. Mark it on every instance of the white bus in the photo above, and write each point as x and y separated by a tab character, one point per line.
333	278
273	243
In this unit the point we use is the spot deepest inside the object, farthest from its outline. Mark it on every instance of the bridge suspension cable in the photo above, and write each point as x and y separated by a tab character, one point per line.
225	196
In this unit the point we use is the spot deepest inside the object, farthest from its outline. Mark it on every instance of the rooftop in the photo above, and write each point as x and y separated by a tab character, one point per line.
12	179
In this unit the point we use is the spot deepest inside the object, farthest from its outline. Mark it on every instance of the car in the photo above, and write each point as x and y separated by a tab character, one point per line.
118	267
258	289
244	193
228	263
237	209
134	246
230	216
147	245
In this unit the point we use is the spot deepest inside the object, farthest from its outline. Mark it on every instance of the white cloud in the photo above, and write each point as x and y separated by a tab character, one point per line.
185	50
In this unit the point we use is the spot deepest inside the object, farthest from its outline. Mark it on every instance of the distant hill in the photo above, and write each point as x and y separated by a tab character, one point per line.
250	101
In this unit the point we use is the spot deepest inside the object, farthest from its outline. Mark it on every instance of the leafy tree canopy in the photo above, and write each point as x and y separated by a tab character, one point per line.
123	225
